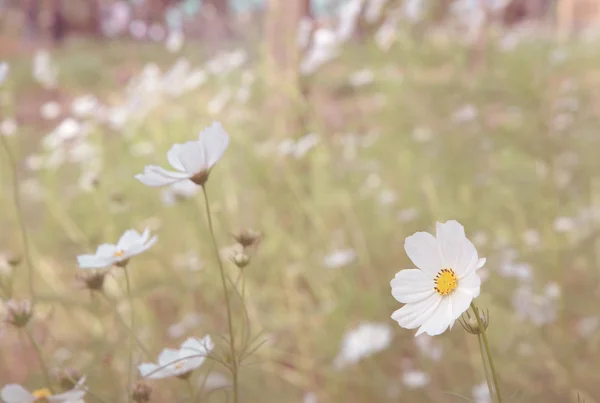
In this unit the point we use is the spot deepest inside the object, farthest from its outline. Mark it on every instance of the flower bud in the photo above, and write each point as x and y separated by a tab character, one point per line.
240	259
18	313
470	323
141	392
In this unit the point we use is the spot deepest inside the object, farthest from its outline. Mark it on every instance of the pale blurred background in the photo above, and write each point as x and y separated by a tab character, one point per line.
353	124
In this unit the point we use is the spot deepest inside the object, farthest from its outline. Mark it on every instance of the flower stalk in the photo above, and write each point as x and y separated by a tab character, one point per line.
233	359
487	359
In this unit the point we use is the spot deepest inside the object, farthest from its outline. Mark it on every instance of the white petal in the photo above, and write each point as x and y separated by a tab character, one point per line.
173	157
194	346
467	261
412	285
145	236
156	176
129	238
411	316
450	237
168	356
152	371
461	300
481	263
94	262
14	393
215	141
139	248
193	158
440	319
470	284
422	249
106	250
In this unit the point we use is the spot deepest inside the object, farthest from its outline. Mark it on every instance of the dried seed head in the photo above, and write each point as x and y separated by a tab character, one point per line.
18	312
141	392
68	378
92	280
247	236
471	325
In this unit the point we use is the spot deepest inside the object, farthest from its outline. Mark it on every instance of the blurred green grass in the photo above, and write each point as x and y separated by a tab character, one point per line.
499	172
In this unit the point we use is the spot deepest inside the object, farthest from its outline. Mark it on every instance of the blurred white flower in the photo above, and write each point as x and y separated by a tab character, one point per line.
323	48
8	127
189	261
422	134
178	362
339	258
175	41
408	215
445	283
117	19
367	339
305	28
50	110
178	191
88	181
540	309
44	72
84	106
138	29
428	347
413	379
386	34
130	244
373	10
349	14
564	224
465	114
310	397
3	71
361	78
14	393
481	393
193	160
218	102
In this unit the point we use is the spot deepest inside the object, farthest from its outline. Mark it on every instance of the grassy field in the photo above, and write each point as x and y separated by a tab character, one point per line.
392	142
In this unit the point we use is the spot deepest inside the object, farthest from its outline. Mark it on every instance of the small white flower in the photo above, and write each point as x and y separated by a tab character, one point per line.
173	362
339	258
3	71
481	393
50	110
367	339
8	127
193	160
415	379
130	244
14	393
445	283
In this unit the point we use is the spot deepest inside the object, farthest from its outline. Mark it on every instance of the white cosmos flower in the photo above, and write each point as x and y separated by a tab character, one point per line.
443	285
131	243
14	393
193	160
178	362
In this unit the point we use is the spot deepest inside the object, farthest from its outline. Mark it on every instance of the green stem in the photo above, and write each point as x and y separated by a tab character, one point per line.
486	366
488	352
234	364
40	356
124	324
131	337
19	209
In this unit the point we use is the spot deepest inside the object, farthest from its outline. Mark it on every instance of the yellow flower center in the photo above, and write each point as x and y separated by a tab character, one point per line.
445	282
41	394
119	253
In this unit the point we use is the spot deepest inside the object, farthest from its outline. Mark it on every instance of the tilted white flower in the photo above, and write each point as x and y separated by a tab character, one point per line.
181	362
130	244
14	393
445	283
193	160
